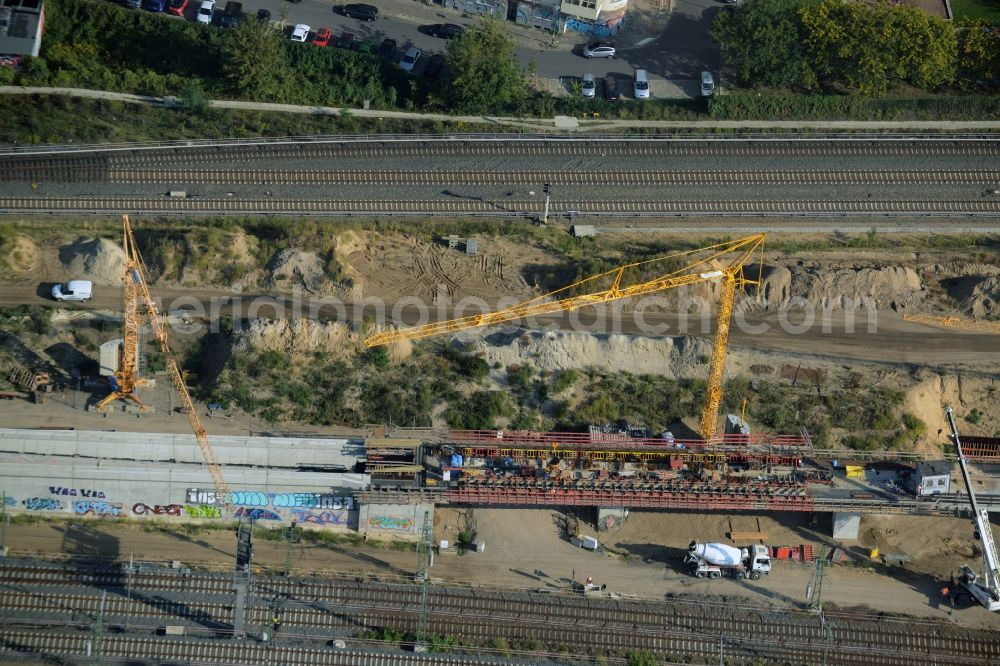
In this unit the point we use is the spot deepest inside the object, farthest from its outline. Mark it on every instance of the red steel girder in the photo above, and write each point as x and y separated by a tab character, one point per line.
631	499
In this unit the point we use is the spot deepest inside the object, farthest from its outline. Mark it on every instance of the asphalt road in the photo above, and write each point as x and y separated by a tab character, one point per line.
892	341
679	51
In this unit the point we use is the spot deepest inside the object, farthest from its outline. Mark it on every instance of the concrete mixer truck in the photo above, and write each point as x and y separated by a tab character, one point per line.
714	560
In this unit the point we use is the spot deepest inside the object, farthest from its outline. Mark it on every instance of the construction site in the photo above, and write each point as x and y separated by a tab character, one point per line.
796	430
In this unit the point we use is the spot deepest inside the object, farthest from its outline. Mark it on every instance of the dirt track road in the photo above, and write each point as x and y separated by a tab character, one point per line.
893	340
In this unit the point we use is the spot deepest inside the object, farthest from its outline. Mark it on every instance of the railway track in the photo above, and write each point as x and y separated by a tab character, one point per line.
500	208
96	173
315	608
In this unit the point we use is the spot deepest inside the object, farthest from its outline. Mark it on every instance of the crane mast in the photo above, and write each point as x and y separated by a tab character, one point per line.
986	592
135	288
703	270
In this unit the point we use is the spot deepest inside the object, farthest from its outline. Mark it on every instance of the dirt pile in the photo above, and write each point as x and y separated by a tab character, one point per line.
555	350
22	255
97	259
292	268
300	336
896	287
977	295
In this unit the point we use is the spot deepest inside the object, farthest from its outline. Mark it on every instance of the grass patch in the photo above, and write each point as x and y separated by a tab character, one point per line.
976	9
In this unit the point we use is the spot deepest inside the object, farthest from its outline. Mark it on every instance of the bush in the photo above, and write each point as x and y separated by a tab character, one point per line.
480	411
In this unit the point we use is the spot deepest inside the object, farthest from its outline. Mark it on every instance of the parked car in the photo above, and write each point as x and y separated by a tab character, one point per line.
345	41
599	50
366	46
155	5
322	37
206	11
264	16
295	2
74	290
360	11
177	7
133	4
433	68
611	92
300	32
707	84
409	59
640	89
445	30
588	88
387	49
232	14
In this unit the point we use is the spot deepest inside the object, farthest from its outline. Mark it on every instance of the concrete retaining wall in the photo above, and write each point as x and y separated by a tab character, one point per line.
65	482
394	519
252	451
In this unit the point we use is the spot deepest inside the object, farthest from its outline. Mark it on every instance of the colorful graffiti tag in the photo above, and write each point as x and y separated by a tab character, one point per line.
606	28
9	501
256	514
42	504
97	508
202	511
77	492
141	509
324	518
389	523
276	500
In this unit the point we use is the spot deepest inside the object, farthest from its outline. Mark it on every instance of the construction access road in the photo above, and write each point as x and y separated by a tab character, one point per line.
892	339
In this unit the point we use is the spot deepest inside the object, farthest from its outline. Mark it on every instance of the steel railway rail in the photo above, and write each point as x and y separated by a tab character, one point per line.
674	628
112	204
95	172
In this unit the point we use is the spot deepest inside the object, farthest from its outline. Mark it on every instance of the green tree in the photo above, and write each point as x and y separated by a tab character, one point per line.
979	49
872	48
763	43
192	98
254	61
485	73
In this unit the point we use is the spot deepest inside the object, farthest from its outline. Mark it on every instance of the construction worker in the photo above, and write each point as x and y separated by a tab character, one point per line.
276	623
946	595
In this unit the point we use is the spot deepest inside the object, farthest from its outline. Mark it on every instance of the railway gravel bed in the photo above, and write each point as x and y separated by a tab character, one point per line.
501	208
314	608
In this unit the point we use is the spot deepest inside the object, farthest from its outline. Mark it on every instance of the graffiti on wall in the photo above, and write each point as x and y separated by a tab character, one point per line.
276	500
256	514
389	523
602	28
537	16
324	518
77	492
9	501
42	504
97	508
202	511
141	509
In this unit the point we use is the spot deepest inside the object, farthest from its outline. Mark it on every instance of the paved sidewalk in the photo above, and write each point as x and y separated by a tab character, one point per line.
535	124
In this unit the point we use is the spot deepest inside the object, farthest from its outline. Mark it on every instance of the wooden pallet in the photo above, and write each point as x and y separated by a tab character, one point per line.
748	536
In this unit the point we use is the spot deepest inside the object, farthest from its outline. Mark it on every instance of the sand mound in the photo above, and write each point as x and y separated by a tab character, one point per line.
824	287
22	256
292	268
979	295
554	350
99	260
300	336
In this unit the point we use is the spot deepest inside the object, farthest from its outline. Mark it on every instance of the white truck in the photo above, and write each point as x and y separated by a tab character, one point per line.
714	560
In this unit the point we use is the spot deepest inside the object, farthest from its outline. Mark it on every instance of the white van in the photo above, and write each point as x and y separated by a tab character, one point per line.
641	88
74	290
707	84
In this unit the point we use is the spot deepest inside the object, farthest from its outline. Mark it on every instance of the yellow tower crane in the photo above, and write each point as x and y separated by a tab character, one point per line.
136	287
714	266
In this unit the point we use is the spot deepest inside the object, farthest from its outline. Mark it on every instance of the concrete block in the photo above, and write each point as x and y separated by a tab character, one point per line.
610	517
846	526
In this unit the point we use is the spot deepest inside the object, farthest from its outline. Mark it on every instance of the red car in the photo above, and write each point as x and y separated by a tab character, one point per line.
177	7
322	37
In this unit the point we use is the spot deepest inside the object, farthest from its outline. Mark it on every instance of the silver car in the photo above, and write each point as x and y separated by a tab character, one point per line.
599	50
409	59
589	86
